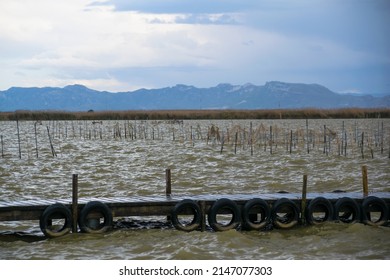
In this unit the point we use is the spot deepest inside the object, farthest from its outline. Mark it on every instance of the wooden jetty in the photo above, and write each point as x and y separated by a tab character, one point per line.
187	213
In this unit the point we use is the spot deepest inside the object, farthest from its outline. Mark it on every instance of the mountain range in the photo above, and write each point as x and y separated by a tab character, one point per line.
272	95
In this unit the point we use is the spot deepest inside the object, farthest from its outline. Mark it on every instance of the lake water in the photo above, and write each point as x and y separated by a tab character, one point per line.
129	158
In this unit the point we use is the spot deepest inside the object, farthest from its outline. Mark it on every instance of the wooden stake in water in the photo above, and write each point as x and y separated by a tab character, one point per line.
270	139
168	183
235	143
51	144
2	146
365	180
345	143
222	142
342	139
382	132
168	187
303	201
74	202
251	138
36	140
307	135
325	151
20	151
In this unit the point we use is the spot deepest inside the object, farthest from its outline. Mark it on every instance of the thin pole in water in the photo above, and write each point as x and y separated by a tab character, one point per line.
270	139
303	201
365	180
20	151
74	202
168	185
362	145
307	135
235	143
51	144
2	146
36	140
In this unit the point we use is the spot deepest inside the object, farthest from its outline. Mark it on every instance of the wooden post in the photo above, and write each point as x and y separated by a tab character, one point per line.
365	180
191	138
303	201
168	185
382	139
75	187
235	143
325	151
251	138
307	135
36	140
2	147
345	143
222	142
51	143
20	151
270	139
342	139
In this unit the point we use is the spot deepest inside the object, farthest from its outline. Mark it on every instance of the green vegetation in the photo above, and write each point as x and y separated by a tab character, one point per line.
200	114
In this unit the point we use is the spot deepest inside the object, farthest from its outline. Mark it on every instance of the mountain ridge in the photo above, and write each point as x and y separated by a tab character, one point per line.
271	95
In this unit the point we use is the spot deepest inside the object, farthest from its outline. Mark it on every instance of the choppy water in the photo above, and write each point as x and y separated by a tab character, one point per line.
113	162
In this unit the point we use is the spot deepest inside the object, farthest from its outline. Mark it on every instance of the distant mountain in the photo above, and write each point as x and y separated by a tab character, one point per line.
223	96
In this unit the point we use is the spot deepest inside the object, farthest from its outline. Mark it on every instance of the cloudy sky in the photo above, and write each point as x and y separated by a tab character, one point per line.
121	45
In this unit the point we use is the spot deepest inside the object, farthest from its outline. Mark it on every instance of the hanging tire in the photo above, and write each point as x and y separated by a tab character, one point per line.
319	205
349	208
90	215
288	209
250	212
56	211
185	207
224	206
373	204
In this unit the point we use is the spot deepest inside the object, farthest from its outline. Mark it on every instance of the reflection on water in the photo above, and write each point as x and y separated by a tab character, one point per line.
134	164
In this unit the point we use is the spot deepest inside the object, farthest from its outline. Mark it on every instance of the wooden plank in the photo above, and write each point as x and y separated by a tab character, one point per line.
175	199
156	205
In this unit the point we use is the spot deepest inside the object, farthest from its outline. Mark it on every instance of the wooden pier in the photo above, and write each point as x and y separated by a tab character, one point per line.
187	213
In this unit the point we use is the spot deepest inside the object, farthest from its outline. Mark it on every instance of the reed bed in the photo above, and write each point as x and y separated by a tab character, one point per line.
307	113
348	138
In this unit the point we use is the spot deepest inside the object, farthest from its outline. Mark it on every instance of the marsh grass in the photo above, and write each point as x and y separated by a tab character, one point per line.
307	113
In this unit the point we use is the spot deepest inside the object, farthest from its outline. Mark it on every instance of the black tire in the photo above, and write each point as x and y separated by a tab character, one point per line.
374	204
182	208
252	207
55	211
102	210
290	211
350	209
224	205
319	205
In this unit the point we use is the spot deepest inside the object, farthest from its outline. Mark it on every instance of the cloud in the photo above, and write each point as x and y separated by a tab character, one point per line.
122	44
183	6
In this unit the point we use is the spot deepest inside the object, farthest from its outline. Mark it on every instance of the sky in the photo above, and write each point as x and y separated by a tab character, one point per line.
124	45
